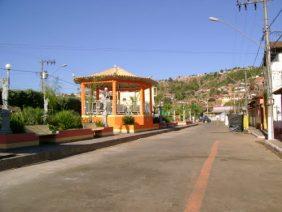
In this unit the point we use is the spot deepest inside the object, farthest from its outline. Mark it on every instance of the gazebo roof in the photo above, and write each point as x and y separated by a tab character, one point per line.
115	73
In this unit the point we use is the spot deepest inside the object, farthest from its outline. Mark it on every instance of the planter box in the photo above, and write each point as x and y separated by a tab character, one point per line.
9	141
103	131
133	128
67	136
127	129
172	124
156	126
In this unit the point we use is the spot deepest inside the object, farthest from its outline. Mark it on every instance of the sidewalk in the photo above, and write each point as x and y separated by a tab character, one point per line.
274	145
30	155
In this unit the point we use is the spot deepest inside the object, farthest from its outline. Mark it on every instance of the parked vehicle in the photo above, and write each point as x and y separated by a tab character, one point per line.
204	119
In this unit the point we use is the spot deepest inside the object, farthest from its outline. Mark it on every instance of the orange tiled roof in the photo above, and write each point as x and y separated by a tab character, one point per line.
114	73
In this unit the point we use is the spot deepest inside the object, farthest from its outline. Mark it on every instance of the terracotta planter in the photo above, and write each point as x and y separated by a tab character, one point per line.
67	136
9	141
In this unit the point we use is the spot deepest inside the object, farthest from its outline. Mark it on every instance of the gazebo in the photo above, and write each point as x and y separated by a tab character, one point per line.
128	94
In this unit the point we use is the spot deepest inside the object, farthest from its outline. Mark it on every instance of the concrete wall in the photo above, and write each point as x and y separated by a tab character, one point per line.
276	69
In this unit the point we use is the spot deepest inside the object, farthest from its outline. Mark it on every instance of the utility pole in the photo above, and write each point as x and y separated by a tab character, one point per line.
268	74
43	77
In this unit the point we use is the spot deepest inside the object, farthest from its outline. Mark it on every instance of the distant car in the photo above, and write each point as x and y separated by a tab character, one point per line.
204	119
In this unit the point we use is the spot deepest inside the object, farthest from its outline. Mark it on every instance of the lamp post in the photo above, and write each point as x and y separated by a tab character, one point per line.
5	113
215	19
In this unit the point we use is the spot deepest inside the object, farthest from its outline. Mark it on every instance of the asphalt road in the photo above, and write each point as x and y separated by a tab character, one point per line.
204	168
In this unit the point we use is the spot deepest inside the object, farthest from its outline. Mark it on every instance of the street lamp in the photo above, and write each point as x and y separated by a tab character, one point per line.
61	66
5	113
215	19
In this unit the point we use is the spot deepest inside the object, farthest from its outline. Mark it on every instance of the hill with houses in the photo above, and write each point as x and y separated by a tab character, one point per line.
220	88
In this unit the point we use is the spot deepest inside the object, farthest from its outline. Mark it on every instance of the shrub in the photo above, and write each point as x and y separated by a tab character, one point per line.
64	120
99	124
156	120
128	120
32	116
166	119
17	123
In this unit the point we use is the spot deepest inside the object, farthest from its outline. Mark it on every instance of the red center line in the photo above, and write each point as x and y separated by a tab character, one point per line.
194	202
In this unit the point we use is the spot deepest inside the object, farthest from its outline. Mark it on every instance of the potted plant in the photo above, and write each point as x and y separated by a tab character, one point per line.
128	124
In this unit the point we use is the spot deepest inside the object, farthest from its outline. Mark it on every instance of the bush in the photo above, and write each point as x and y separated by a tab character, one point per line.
17	123
128	120
64	120
32	116
156	120
167	119
99	124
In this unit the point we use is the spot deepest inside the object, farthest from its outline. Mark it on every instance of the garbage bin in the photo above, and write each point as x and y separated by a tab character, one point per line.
236	122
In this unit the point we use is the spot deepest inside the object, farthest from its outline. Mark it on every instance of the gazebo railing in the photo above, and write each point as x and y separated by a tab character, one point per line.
97	108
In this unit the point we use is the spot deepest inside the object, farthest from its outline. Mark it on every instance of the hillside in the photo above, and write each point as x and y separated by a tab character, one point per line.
214	86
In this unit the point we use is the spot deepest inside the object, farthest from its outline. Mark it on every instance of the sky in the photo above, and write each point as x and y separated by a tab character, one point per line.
157	38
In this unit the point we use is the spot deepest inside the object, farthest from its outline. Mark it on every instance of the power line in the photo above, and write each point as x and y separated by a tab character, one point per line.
38	72
255	60
59	79
277	39
136	50
272	22
26	71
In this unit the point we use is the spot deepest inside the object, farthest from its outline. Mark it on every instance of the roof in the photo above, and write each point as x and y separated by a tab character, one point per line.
115	73
276	45
276	48
278	91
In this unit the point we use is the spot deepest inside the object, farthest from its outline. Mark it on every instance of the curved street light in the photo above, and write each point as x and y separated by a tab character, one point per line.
215	19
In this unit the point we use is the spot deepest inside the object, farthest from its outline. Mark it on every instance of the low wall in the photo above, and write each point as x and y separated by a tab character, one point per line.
67	136
142	122
9	141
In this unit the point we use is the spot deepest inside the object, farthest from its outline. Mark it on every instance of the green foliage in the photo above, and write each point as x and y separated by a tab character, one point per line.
167	119
30	98
59	103
32	116
24	98
156	120
64	120
99	124
128	120
17	123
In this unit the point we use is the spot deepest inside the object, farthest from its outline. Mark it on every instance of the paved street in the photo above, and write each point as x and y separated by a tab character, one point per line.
202	168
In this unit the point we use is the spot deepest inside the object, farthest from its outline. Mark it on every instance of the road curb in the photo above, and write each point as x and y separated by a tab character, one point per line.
63	151
274	148
256	135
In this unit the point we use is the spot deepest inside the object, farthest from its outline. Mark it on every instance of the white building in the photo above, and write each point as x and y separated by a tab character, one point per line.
276	70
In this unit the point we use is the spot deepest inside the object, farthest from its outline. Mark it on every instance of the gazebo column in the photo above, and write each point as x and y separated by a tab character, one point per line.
151	101
82	98
142	101
114	101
